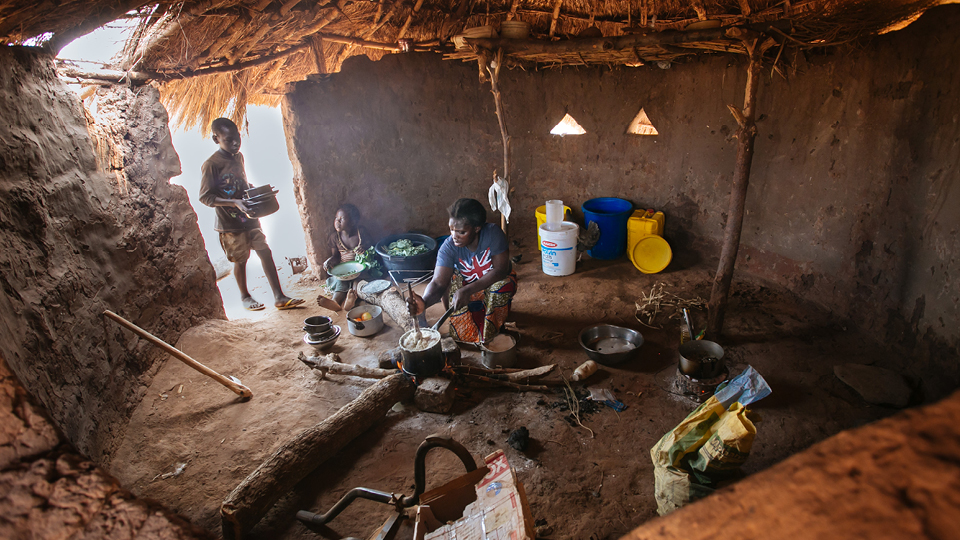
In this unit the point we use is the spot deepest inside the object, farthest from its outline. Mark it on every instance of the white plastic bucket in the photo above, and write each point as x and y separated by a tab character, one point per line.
558	248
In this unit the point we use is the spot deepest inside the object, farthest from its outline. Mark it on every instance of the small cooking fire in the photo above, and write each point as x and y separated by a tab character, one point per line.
698	390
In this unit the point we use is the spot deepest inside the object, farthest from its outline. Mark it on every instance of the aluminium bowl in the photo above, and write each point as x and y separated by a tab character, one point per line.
610	345
324	344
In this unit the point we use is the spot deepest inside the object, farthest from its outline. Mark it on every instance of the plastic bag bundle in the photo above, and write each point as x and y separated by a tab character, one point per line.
709	446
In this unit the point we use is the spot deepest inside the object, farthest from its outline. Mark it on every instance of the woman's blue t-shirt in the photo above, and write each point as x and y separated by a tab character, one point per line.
473	265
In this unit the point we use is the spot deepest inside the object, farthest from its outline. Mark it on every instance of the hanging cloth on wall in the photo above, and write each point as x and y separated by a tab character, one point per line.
498	198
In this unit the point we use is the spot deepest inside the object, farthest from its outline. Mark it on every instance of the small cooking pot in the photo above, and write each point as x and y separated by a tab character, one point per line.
701	359
317	324
499	356
368	327
425	362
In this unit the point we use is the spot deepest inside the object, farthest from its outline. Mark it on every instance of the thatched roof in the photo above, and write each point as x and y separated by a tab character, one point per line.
209	54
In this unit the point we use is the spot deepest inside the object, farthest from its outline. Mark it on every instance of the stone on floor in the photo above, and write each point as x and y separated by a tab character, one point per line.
876	385
435	394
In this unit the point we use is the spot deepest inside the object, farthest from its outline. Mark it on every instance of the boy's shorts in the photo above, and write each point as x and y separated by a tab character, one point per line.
237	245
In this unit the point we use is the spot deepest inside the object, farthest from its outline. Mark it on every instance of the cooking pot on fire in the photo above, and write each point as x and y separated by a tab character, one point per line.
424	357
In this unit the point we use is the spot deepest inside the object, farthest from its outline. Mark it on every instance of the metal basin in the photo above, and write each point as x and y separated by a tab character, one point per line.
609	344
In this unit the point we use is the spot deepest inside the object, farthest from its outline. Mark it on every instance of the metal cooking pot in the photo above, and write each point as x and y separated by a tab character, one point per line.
368	327
505	359
427	362
701	359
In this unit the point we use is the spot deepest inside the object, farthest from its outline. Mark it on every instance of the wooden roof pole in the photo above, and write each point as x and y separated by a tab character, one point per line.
746	135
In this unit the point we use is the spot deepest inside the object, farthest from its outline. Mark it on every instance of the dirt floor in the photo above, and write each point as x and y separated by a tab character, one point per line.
579	485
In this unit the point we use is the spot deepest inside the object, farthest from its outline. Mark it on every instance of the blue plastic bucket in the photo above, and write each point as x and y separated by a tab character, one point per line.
611	215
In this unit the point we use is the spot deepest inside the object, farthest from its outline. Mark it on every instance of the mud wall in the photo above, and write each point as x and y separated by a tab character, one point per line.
853	193
88	222
47	490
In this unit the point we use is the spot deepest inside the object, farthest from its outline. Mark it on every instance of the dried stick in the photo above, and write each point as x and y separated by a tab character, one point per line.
574	404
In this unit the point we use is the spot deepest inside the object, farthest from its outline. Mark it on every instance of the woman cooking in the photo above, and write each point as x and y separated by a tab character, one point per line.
474	262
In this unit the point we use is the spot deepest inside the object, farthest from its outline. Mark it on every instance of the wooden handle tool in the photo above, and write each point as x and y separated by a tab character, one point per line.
230	382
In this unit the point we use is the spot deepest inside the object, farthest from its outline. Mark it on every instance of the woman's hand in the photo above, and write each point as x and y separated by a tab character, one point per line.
461	297
415	304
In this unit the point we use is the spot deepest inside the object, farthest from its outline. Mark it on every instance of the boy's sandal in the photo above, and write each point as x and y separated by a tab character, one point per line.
250	304
290	303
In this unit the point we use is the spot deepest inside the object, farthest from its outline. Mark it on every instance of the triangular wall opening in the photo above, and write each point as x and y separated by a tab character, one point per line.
641	125
568	126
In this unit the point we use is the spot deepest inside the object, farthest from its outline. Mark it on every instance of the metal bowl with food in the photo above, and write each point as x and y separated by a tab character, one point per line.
609	344
347	271
365	321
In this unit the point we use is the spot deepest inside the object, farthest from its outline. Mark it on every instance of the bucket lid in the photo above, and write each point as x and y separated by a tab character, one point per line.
652	254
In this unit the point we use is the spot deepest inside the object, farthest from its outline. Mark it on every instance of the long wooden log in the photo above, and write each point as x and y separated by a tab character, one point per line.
105	75
330	363
587	45
297	458
746	135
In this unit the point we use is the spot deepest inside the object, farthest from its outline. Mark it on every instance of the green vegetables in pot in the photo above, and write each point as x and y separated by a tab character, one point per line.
405	248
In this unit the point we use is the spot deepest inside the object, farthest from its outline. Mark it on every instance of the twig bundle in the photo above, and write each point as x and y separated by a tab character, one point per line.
649	306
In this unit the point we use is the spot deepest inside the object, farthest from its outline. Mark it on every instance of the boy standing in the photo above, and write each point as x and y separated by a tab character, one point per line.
222	187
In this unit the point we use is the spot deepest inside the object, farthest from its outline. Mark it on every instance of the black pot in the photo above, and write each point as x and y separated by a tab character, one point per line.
425	363
423	261
317	324
260	207
428	362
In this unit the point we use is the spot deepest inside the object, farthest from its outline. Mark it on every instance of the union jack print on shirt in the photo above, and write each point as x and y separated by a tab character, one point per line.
476	268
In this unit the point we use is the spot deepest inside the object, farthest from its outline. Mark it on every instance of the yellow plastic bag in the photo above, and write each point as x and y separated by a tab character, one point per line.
708	446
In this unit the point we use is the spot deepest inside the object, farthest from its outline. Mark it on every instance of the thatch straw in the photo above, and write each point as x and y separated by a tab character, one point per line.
269	43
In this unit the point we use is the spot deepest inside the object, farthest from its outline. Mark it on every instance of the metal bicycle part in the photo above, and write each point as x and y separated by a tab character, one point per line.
399	502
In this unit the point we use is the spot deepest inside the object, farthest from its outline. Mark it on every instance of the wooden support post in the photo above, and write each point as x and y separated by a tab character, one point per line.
746	135
297	458
493	68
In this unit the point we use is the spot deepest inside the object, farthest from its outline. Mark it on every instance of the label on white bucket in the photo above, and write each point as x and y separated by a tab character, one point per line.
558	248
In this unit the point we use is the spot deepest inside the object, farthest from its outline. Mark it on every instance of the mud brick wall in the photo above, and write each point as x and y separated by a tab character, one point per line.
88	222
853	194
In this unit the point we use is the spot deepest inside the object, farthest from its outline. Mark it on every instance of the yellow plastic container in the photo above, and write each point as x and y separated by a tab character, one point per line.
649	255
542	218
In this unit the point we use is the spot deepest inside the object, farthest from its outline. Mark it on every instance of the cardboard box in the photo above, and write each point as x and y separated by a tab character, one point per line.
486	504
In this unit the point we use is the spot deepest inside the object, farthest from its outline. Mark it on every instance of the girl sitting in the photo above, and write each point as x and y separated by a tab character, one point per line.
345	243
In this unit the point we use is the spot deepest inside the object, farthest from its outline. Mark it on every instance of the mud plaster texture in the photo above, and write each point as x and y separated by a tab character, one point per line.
88	222
48	490
580	486
854	183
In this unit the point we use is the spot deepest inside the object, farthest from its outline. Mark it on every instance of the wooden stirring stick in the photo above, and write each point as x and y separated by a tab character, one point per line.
416	319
